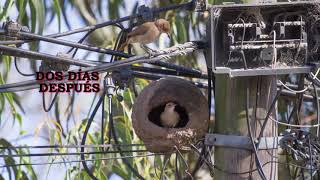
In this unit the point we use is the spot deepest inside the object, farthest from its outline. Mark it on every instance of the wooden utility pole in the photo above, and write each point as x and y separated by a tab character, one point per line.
230	104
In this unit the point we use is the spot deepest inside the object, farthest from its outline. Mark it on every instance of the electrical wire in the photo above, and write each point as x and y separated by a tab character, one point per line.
314	76
19	71
268	115
75	161
166	159
294	125
86	131
65	154
73	44
51	103
115	137
258	163
317	105
300	91
243	172
70	146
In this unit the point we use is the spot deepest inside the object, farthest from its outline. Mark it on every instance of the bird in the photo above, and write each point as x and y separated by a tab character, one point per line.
146	33
169	117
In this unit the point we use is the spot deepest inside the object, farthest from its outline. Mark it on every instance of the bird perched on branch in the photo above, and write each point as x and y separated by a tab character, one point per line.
169	117
147	33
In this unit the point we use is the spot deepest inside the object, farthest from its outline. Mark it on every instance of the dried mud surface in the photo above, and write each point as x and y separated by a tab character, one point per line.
157	93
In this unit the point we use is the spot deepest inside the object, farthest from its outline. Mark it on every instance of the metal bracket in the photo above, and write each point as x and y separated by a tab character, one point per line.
240	142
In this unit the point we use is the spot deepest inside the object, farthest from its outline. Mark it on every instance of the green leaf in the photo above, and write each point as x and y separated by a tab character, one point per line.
16	100
182	35
21	6
57	8
33	12
19	118
4	11
120	171
37	15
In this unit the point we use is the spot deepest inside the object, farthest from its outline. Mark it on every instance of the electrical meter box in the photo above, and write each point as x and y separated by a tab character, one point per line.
263	39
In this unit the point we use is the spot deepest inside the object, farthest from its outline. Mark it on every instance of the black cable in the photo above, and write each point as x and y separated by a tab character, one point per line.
244	172
297	105
316	99
73	44
258	163
275	99
203	150
179	69
69	146
204	159
311	160
75	161
291	114
167	159
51	103
117	43
115	137
86	131
209	71
300	96
80	41
151	76
257	93
85	37
169	72
20	72
120	39
65	154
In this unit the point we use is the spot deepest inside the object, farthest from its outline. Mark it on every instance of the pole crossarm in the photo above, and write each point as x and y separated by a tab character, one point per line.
242	142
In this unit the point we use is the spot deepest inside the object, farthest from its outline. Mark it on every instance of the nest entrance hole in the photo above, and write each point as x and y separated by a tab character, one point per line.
154	115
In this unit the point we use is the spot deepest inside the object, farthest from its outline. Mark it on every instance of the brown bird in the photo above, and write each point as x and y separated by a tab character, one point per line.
169	117
147	33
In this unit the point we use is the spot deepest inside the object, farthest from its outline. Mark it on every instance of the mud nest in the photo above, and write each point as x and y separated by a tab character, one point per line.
192	107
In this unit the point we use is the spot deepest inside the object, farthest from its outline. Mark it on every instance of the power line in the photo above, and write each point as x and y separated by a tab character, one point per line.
67	153
75	161
70	146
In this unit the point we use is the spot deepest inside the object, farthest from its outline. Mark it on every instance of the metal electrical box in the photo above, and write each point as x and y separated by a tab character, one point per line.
264	39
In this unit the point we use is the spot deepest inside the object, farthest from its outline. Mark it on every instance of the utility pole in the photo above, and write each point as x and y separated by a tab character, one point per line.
230	119
230	104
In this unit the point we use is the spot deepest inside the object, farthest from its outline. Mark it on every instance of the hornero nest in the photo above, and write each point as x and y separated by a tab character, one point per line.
192	107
